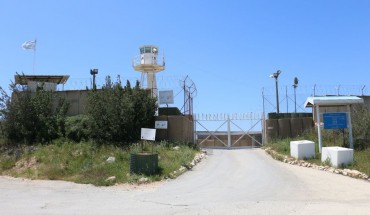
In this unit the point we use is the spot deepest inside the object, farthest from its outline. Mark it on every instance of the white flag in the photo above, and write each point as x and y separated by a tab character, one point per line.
31	44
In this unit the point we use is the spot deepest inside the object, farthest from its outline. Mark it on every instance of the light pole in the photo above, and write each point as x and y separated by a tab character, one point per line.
276	76
295	85
93	72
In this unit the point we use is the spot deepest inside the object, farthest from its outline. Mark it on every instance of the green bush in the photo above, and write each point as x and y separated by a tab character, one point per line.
78	128
118	113
6	162
361	127
31	117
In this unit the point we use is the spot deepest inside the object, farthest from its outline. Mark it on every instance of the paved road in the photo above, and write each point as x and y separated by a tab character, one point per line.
226	182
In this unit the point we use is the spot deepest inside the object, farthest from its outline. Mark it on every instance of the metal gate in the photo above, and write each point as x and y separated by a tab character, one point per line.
228	130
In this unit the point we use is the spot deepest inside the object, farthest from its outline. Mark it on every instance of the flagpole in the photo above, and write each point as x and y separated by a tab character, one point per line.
31	45
34	57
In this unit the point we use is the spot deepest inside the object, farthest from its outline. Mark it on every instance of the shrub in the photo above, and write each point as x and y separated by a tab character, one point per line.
78	128
361	127
31	117
118	113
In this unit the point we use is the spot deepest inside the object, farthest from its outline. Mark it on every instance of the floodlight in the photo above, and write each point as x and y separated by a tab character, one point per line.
276	76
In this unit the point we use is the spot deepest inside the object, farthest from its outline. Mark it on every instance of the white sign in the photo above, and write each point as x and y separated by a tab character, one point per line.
148	134
160	124
166	97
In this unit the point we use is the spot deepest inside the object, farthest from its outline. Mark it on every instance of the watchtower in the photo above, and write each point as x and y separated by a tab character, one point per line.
149	63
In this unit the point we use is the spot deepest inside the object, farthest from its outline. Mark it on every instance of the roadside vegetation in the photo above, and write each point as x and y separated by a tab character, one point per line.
88	163
338	137
39	141
361	158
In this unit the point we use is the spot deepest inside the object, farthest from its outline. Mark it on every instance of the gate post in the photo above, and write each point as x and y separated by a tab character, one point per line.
228	132
264	128
195	135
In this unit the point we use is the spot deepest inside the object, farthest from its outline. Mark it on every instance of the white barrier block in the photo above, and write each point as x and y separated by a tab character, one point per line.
337	155
302	149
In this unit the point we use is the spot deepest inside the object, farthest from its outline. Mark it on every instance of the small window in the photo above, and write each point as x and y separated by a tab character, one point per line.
148	49
142	50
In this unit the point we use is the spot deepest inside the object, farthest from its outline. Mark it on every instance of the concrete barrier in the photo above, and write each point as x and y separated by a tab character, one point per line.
302	149
337	156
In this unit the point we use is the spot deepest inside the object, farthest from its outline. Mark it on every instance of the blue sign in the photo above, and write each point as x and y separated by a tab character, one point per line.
335	120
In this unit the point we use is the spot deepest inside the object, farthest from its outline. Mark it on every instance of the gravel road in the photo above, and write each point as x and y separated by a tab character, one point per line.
243	181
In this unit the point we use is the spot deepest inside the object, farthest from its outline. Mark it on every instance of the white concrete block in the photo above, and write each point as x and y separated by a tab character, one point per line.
337	155
302	149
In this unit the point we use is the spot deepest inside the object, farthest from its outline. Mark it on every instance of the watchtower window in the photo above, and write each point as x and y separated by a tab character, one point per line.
148	49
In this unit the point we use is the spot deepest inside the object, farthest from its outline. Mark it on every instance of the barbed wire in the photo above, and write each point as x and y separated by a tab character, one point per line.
227	116
321	90
287	102
163	82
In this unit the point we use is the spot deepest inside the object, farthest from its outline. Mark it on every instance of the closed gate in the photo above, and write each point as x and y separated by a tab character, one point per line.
228	130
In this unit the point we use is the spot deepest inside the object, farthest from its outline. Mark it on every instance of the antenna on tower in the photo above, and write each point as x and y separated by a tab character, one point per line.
149	64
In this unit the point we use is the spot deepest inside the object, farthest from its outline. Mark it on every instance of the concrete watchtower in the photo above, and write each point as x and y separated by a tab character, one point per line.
148	64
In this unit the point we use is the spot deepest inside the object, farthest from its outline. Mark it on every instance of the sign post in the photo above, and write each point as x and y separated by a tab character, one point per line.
335	120
148	134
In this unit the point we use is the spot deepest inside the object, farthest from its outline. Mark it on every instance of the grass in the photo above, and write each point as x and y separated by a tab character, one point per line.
361	161
86	163
361	158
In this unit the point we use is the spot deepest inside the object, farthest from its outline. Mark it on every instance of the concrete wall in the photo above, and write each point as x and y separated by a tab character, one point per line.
366	102
77	101
287	128
180	128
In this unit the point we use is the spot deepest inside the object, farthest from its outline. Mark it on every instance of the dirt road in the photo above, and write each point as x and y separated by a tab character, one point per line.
227	182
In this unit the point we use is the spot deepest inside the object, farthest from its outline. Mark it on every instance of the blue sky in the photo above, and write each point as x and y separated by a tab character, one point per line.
228	48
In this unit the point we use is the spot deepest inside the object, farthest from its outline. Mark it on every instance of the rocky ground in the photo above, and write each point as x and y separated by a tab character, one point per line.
303	163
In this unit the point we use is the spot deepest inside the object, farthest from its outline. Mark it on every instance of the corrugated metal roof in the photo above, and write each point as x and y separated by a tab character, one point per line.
58	79
332	101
